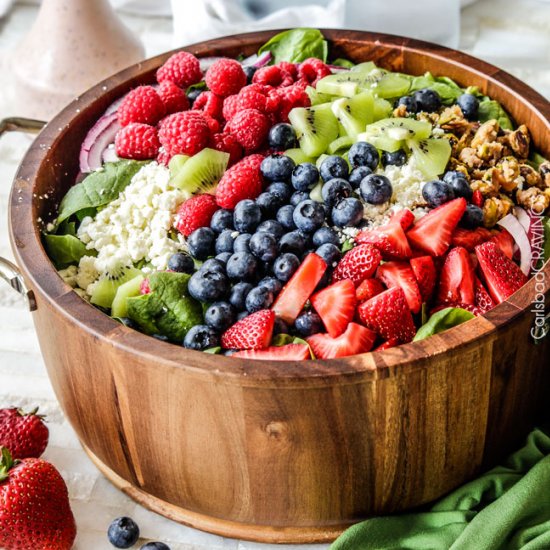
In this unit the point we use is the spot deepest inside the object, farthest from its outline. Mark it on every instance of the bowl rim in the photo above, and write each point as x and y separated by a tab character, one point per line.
54	293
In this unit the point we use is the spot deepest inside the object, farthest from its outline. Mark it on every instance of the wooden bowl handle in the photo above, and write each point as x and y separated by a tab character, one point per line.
11	274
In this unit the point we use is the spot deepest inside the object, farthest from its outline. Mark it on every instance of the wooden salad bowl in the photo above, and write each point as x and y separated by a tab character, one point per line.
283	451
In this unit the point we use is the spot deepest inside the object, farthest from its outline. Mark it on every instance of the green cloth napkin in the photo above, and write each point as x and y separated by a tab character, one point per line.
507	508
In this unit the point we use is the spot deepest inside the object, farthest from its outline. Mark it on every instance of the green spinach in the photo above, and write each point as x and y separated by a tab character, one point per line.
65	250
443	320
296	45
490	109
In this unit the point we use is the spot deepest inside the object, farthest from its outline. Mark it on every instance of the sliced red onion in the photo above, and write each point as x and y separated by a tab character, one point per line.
250	60
109	155
207	62
114	105
263	59
523	218
100	136
514	227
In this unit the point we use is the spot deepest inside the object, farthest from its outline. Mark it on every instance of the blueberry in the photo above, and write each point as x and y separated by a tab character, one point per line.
238	294
304	176
376	189
325	235
180	262
459	183
281	136
269	203
281	189
334	190
155	546
469	105
279	327
285	217
330	253
264	246
357	174
221	219
277	167
334	167
472	217
201	243
348	212
363	154
192	94
285	266
223	257
208	286
130	323
271	283
308	216
242	266
271	226
427	100
220	316
246	216
123	532
395	158
201	337
224	242
297	197
437	192
213	264
258	298
308	323
293	242
410	103
242	243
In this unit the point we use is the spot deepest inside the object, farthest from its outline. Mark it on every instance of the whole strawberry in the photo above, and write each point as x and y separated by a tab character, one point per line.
34	506
24	434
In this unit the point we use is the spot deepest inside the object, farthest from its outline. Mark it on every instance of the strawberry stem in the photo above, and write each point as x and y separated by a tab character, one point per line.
6	463
31	413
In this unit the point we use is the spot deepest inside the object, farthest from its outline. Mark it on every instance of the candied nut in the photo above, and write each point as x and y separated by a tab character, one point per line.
400	111
486	133
530	176
519	141
452	120
495	208
533	199
486	186
490	152
544	170
468	156
506	173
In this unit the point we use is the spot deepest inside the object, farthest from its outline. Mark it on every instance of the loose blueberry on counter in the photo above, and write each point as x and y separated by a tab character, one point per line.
308	323
376	189
277	167
259	297
123	532
242	266
271	283
427	100
242	243
334	190
213	264
180	262
264	246
309	216
298	196
281	136
325	235
224	242
437	192
469	105
348	212
192	94
330	253
363	154
395	158
238	295
269	203
472	217
304	176
279	327
281	189
246	216
249	71
201	243
293	242
285	266
271	226
207	285
155	546
409	102
459	183
201	337
127	322
285	217
220	316
357	175
221	219
223	257
333	167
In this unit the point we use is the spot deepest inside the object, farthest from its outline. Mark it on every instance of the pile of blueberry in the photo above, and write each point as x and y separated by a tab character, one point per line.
123	532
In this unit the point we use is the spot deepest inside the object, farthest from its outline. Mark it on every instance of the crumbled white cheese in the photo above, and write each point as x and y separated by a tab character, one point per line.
87	272
69	275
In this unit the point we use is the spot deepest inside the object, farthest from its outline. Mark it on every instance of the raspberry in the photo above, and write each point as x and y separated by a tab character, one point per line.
289	68
163	157
271	75
251	98
213	124
210	104
225	77
173	97
242	181
230	106
228	144
194	213
142	104
312	70
290	97
137	141
184	133
250	128
182	68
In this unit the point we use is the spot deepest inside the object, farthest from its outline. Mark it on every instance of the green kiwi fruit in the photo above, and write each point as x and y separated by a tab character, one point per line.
382	108
119	307
316	97
431	155
343	142
106	287
202	172
389	134
365	67
315	194
176	163
354	113
298	156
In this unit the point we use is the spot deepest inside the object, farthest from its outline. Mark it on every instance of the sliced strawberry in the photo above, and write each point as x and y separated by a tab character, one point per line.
424	270
470	238
335	304
477	311
389	315
477	198
505	242
483	299
433	233
358	264
290	352
456	280
252	332
356	339
400	274
297	291
390	239
404	217
502	276
387	345
368	288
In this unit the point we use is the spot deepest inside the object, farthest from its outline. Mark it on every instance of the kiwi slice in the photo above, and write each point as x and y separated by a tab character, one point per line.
106	287
354	113
317	97
320	160
315	194
298	156
389	134
431	155
344	142
176	163
202	172
119	307
382	108
365	67
315	127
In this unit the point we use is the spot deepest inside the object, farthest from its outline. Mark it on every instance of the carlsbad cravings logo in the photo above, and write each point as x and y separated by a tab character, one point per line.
541	325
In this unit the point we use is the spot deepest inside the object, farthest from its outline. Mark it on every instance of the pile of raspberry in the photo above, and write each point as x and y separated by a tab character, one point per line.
233	113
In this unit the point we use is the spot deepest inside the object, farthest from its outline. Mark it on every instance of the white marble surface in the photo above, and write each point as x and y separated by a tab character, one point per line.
514	34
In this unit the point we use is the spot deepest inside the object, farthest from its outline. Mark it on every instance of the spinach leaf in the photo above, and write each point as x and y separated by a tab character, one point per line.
97	189
66	228
535	160
490	109
214	351
65	250
348	245
443	320
167	309
341	62
419	82
296	45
